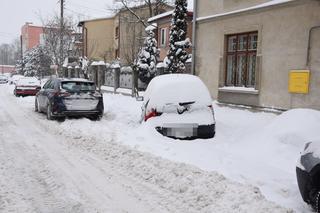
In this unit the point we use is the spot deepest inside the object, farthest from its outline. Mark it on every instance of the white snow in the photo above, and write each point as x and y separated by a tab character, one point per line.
28	81
88	167
161	15
82	166
165	14
161	65
115	66
260	6
239	89
151	27
98	63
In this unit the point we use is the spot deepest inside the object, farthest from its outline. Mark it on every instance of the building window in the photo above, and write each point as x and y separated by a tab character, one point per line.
241	59
163	37
116	53
117	32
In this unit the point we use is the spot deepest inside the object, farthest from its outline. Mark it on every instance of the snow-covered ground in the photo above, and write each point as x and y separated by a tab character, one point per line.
119	165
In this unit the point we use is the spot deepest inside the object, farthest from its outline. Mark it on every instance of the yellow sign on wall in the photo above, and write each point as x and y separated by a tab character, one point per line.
299	81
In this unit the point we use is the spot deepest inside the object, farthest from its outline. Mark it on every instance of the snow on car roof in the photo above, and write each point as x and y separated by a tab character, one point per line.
28	81
76	79
176	88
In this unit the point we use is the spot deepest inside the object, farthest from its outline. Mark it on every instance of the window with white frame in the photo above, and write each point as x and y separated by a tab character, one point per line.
163	37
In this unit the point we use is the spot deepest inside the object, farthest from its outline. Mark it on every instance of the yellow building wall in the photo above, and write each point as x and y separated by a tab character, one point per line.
99	39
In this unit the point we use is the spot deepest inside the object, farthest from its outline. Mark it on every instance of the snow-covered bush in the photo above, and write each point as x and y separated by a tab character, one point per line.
177	54
147	58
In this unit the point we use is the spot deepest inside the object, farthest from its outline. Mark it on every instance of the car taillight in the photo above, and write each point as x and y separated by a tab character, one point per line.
151	114
96	94
63	94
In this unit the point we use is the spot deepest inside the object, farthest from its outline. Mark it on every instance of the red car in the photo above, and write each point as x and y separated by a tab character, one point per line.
27	86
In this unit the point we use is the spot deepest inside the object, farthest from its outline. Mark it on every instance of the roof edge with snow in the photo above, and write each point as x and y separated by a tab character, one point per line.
269	4
165	14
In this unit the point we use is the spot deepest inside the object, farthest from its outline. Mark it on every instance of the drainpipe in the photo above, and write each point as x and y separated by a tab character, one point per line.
194	21
309	44
85	48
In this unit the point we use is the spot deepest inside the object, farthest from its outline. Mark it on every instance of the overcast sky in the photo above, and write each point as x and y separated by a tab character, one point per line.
14	13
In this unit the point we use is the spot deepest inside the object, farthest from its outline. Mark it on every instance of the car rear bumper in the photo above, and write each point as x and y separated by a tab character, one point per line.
195	132
26	92
76	113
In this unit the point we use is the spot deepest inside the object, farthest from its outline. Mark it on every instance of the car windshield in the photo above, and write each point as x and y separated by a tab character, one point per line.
74	86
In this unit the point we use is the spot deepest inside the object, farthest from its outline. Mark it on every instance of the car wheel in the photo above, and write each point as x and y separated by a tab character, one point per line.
49	112
61	119
96	117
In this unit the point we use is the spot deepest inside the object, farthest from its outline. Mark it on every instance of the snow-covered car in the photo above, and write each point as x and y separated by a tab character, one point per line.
15	78
3	79
179	106
27	86
308	174
69	97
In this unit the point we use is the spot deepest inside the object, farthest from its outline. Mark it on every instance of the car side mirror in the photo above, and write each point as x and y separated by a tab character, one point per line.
139	98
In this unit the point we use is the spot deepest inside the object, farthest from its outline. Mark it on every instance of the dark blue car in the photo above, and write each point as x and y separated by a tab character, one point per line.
60	98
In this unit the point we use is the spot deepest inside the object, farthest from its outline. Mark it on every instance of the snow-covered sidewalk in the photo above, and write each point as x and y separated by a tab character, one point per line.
85	166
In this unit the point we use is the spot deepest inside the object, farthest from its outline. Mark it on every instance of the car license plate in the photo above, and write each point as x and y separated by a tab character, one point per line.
181	130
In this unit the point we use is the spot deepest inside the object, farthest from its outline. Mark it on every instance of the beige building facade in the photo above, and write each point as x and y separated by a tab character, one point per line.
245	50
131	32
99	39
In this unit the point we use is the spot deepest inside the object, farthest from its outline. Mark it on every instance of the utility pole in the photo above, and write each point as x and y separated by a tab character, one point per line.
61	35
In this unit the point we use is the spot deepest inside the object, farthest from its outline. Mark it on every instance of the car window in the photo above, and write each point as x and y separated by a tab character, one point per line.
51	86
46	85
74	86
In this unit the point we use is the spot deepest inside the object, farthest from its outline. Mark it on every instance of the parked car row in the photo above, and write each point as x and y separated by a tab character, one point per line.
178	105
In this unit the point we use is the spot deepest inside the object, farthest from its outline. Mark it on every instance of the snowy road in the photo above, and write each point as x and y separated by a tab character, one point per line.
48	167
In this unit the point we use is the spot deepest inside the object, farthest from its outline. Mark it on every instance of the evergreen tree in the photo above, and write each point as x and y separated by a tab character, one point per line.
147	58
36	62
177	54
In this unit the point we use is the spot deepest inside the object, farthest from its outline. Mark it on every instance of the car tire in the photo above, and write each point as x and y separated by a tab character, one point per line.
49	112
96	117
36	108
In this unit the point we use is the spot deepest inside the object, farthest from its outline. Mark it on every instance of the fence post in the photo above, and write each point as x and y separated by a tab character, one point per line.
134	82
116	78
